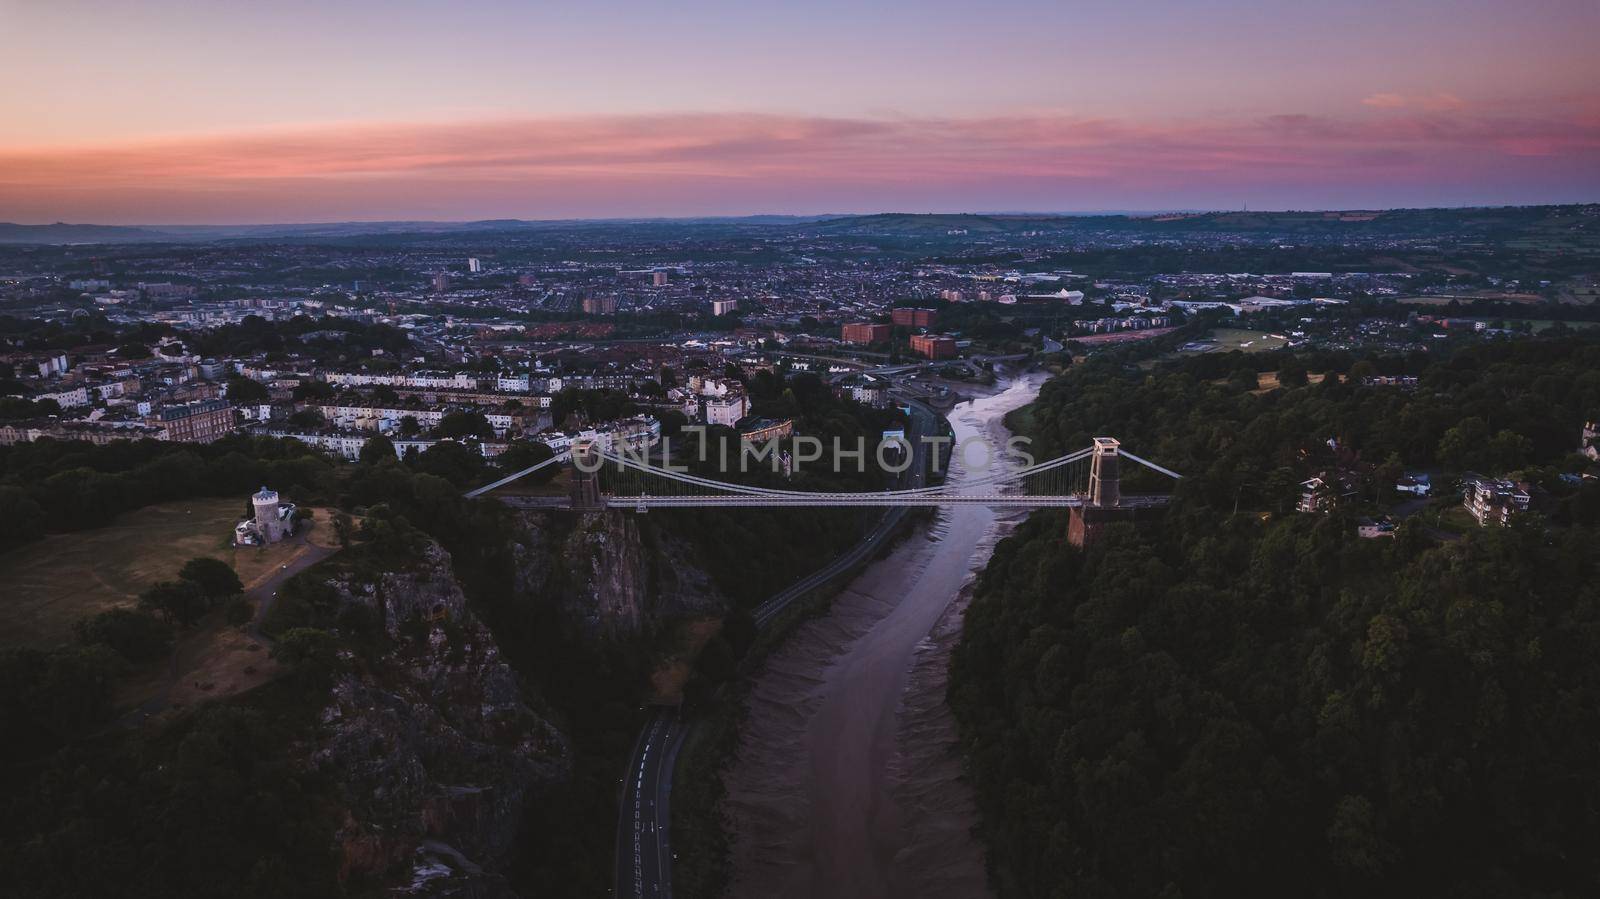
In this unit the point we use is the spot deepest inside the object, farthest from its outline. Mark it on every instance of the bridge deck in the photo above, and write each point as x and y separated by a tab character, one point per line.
995	500
643	486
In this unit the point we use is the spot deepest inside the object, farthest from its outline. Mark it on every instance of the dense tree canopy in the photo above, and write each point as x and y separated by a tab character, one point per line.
1257	703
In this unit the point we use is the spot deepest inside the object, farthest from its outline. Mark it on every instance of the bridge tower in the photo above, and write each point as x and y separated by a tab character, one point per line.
1105	485
586	483
1088	522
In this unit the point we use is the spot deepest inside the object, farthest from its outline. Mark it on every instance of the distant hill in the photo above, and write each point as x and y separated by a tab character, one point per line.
60	232
1497	223
1502	222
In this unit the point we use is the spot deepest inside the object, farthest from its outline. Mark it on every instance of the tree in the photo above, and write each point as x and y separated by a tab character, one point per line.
465	424
377	449
215	578
344	527
179	602
243	391
1507	450
383	393
672	422
409	426
717	660
311	653
522	454
21	516
1462	445
135	635
313	390
48	698
1292	373
309	418
457	463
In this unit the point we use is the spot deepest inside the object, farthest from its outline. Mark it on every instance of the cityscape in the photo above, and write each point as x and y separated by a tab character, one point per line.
934	466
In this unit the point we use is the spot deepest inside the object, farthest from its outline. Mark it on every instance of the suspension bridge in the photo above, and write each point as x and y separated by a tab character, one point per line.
1089	477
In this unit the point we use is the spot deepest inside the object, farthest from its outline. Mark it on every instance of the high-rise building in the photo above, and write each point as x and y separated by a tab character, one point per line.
474	266
599	305
909	317
723	307
659	279
933	346
864	333
441	282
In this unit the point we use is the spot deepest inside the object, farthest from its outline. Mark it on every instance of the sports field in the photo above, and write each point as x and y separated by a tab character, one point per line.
1227	339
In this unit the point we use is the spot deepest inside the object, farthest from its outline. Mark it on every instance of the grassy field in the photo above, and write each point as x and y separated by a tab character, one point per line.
1222	340
1227	339
51	583
55	581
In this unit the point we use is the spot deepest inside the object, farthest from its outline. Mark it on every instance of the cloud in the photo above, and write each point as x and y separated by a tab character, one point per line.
1440	102
694	164
1385	101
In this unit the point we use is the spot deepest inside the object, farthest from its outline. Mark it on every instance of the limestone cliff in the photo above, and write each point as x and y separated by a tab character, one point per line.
612	574
433	748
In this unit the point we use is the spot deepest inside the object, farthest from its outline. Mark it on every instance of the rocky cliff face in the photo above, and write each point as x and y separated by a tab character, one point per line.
612	574
433	747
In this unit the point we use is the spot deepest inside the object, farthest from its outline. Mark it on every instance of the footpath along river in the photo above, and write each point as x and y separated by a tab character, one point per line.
847	782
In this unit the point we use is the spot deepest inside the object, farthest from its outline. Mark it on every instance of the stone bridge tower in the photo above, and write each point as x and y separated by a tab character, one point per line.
1105	484
1088	522
586	483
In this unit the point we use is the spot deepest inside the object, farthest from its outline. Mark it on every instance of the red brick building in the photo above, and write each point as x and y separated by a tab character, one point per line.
933	346
910	317
865	333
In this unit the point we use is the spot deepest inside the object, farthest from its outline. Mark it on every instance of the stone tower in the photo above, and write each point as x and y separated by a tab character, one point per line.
267	522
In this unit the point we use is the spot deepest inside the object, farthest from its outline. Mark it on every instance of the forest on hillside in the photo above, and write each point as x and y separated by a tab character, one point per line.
1241	700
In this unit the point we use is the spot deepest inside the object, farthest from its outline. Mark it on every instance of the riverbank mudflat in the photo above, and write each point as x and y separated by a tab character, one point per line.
847	783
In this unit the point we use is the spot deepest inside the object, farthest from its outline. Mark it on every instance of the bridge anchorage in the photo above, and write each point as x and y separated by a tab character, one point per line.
1088	482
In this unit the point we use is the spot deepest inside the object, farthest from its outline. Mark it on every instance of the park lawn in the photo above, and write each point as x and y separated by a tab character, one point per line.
1222	340
1456	519
51	583
47	585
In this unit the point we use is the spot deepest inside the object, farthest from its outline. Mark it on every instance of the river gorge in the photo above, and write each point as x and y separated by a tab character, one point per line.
847	782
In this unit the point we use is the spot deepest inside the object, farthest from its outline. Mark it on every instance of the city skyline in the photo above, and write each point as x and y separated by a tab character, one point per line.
232	114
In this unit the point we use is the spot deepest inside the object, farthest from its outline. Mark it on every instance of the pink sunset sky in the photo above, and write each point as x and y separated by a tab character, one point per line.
238	113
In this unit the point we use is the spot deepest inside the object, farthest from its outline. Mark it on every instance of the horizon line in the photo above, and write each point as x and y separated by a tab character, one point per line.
1011	213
